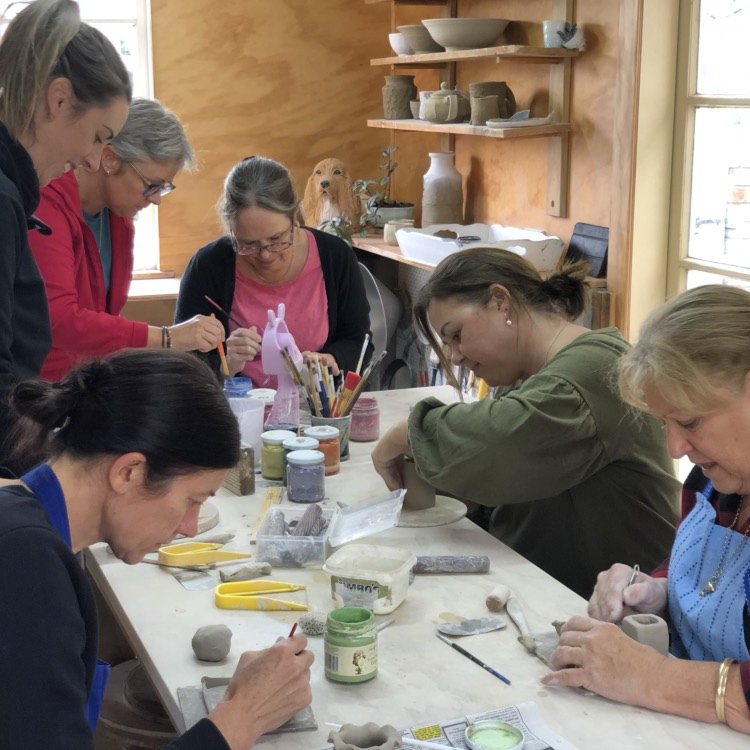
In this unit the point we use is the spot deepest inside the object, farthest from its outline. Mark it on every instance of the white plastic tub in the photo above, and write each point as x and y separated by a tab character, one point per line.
542	251
371	576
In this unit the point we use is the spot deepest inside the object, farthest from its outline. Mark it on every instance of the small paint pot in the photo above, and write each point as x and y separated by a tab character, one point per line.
493	734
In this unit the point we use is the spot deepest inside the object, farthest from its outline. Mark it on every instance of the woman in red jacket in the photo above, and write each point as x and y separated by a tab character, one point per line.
87	261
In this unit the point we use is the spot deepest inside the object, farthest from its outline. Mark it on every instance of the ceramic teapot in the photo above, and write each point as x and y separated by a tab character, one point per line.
446	105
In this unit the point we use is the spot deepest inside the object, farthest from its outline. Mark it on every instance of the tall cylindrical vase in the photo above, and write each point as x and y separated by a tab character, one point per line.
397	93
443	195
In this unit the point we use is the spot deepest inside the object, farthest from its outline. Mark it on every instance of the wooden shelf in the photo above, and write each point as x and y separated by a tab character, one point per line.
407	2
506	53
375	244
464	128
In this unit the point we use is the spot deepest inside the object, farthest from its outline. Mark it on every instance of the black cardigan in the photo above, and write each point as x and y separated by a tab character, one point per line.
211	272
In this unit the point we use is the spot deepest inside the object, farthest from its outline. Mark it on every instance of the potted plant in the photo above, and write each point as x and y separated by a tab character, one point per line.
340	226
378	207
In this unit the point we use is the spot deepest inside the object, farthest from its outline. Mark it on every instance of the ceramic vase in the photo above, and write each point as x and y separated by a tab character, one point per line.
397	93
443	195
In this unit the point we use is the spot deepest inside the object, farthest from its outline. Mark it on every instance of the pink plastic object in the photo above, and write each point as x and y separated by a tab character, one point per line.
276	338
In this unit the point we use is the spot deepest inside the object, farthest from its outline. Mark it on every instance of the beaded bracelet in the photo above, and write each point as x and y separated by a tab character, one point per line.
166	338
721	688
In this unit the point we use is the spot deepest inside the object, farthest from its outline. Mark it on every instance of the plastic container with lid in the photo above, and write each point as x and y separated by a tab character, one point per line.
237	387
278	545
371	576
328	444
305	475
272	454
365	420
350	645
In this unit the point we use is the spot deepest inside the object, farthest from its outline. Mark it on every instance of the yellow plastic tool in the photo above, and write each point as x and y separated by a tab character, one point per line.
254	595
196	553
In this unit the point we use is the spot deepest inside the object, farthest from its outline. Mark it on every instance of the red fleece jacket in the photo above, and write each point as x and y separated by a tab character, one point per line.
85	319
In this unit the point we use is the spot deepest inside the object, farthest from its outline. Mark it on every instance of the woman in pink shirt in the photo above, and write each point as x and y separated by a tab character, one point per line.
267	258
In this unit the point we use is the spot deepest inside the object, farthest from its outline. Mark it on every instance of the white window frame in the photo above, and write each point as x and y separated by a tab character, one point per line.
147	223
687	102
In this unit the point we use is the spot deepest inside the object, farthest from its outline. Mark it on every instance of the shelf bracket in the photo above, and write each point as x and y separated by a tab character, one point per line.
558	148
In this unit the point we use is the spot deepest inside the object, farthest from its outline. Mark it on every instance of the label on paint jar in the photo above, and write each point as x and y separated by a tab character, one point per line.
348	661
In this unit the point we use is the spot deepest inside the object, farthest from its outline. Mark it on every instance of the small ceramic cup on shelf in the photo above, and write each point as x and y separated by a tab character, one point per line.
391	227
550	29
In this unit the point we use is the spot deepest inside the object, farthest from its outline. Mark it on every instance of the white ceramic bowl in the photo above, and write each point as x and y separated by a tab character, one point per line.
465	33
419	39
399	44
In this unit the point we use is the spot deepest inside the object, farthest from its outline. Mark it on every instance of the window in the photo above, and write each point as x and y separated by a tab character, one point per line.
127	24
710	228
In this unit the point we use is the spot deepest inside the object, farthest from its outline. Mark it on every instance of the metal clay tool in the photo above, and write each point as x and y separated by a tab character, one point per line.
473	627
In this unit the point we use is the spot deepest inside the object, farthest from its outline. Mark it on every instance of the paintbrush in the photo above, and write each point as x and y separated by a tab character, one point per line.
223	311
222	356
349	405
362	354
297	377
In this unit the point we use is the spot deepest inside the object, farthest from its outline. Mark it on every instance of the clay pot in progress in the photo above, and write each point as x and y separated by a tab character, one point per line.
397	93
442	194
420	494
366	737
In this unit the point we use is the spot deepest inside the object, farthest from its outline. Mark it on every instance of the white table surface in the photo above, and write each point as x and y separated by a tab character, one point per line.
420	679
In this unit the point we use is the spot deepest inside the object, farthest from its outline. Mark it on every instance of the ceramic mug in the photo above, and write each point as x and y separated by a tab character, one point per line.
505	100
484	108
550	29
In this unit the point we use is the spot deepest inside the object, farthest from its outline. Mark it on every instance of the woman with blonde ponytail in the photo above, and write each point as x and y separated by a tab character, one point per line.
64	94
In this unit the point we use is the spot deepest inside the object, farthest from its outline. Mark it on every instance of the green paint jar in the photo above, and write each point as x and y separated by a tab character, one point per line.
272	453
351	645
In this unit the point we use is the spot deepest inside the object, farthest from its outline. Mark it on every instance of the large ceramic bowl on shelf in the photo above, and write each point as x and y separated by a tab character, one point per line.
399	45
419	39
457	34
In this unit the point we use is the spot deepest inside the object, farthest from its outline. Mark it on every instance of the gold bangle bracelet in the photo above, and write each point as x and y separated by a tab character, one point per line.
721	688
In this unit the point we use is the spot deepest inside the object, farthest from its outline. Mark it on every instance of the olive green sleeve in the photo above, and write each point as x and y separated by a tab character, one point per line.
530	444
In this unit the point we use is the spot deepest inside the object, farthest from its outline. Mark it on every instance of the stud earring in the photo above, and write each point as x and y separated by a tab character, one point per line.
107	171
508	322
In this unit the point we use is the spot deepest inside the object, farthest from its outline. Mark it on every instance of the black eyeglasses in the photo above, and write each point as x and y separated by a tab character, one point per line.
253	248
152	188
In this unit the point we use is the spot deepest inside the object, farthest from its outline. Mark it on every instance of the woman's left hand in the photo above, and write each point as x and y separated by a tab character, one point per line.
326	360
388	456
243	345
600	657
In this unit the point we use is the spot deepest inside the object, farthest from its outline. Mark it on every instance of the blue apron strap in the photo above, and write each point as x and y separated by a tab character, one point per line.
747	588
43	483
96	696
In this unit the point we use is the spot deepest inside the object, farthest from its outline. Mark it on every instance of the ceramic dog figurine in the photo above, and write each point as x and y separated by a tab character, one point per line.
329	193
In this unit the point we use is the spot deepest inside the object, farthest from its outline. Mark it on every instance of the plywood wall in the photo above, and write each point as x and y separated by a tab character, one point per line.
291	79
288	79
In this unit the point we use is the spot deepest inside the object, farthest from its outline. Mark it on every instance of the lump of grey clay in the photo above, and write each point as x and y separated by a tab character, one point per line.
212	642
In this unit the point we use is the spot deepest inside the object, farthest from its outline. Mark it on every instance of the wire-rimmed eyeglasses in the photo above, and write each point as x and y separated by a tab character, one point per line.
252	248
152	188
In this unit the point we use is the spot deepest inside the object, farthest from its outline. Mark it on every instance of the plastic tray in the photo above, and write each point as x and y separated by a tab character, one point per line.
542	251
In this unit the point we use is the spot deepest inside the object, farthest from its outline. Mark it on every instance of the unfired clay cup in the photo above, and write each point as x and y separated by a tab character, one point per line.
484	108
420	494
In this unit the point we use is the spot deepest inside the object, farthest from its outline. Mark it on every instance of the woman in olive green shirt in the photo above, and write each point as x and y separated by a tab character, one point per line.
578	480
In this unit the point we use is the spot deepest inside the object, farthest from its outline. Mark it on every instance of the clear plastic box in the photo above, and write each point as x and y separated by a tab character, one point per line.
344	525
